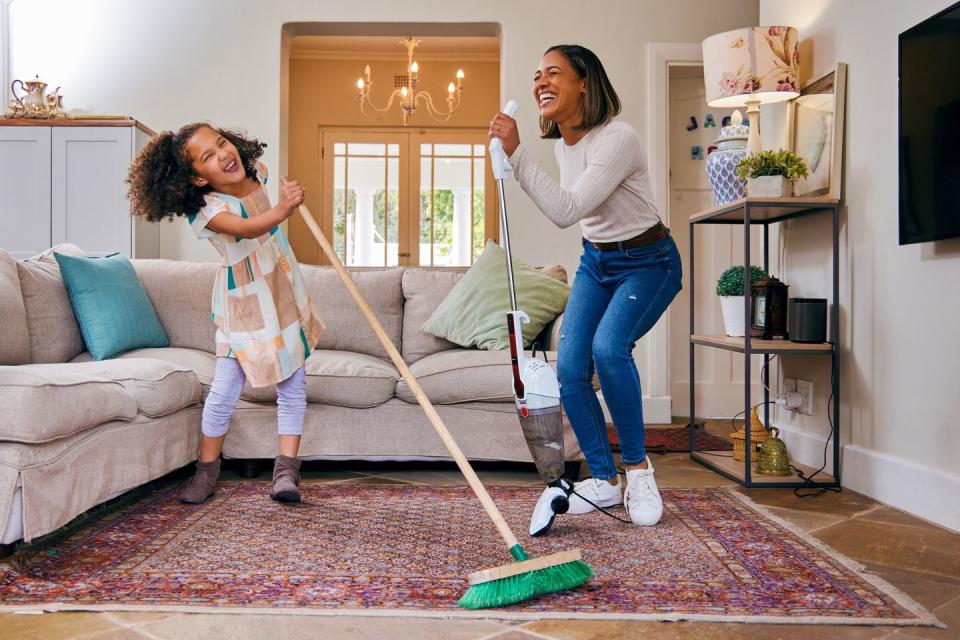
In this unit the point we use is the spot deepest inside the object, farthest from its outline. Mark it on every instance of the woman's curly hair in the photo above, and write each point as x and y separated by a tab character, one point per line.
161	177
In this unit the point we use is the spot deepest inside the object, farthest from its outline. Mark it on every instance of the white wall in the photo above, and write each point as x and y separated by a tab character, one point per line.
169	62
899	305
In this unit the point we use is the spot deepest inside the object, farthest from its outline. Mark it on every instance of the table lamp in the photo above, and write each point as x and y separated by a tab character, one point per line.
751	66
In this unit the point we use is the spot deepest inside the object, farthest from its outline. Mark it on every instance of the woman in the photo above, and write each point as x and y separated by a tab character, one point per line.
629	271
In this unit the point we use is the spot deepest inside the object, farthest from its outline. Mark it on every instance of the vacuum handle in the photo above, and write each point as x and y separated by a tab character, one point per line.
502	527
498	159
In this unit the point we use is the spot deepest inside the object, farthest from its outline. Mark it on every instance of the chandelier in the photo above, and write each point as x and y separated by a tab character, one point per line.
407	94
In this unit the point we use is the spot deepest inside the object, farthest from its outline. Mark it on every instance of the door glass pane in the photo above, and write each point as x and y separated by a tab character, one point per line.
452	149
391	219
360	149
426	210
426	149
365	242
479	206
339	208
479	150
452	218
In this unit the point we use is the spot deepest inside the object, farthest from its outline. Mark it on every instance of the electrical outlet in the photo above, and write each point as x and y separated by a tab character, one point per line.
789	384
805	389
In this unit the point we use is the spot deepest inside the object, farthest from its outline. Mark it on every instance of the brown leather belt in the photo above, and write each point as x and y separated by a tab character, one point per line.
656	233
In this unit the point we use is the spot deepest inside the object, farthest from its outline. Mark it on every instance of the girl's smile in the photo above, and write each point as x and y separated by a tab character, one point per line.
216	162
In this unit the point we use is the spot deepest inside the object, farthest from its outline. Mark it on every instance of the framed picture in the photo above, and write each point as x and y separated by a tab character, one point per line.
816	134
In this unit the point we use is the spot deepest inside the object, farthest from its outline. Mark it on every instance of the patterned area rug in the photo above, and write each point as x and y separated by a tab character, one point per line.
673	440
402	550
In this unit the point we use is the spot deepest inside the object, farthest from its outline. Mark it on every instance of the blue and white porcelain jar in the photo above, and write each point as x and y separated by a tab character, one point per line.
722	163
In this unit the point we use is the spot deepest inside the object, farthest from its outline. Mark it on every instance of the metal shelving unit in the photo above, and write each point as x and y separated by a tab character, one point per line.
766	211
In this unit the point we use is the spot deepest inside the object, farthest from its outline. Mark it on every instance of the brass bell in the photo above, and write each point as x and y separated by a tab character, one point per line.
773	459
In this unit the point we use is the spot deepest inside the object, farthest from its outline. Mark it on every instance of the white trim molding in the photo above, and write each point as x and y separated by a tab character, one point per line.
656	409
5	53
660	57
900	483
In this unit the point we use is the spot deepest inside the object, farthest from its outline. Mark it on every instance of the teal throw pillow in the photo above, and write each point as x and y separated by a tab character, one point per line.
111	305
474	312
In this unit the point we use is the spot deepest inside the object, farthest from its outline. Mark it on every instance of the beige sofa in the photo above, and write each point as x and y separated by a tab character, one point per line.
75	432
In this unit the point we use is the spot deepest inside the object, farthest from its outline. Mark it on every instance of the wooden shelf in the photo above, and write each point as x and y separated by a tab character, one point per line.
79	121
763	346
763	210
723	462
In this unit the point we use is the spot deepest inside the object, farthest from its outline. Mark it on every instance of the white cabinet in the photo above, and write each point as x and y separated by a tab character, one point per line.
68	184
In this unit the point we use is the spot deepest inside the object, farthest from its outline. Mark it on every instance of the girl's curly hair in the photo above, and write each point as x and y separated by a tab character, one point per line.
161	177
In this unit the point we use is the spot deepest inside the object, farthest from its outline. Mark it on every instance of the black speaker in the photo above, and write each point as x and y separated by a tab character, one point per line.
807	319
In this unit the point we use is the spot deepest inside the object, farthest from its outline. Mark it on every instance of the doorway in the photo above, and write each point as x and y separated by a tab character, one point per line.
399	197
719	373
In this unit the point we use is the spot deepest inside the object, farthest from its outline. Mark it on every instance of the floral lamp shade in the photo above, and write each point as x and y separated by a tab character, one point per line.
763	62
750	66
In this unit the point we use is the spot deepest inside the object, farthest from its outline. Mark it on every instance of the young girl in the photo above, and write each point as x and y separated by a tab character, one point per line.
266	324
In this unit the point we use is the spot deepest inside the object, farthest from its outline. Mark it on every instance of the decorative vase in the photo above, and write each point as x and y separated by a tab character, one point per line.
733	315
722	163
769	187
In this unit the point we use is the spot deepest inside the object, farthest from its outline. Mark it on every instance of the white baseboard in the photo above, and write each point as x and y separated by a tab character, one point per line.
656	409
927	493
915	488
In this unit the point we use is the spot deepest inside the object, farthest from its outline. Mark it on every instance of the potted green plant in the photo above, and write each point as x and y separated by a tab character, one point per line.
730	290
770	173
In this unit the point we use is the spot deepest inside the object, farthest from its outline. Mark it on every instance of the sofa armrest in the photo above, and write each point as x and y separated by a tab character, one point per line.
549	338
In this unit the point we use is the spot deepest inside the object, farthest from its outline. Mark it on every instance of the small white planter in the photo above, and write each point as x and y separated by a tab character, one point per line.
769	187
733	316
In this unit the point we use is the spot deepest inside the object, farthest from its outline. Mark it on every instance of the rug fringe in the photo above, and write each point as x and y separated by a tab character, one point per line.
491	614
899	596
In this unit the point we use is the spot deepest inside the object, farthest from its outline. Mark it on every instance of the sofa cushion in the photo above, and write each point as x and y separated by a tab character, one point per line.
346	328
180	292
348	379
159	387
464	375
43	402
423	291
472	315
201	363
14	337
113	310
54	332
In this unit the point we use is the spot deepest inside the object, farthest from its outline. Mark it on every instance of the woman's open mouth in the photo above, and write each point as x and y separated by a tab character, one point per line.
231	167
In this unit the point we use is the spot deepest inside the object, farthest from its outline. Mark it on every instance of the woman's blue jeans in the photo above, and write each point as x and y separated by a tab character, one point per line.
616	299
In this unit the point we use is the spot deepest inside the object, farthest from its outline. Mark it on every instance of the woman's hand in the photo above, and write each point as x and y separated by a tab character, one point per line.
504	127
291	196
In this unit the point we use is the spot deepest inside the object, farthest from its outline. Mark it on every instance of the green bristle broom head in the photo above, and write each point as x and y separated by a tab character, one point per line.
513	589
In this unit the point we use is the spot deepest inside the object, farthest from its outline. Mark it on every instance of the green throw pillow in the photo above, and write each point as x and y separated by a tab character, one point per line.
474	313
111	306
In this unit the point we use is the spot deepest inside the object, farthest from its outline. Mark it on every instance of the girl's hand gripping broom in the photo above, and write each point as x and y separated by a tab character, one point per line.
503	585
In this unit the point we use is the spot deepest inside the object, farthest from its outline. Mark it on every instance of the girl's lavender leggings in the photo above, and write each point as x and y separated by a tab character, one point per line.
225	392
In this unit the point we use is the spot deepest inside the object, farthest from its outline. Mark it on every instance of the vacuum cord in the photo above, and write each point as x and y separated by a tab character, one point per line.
598	507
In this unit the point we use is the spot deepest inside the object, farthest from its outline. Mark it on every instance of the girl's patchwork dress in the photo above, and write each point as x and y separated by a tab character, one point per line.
261	309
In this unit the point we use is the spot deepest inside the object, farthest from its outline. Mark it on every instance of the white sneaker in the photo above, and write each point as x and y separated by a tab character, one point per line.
642	497
599	492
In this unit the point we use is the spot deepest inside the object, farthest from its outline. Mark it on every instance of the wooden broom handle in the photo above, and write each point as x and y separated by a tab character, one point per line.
435	420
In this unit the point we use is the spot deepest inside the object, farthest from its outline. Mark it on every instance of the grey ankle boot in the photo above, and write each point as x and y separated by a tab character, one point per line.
286	480
201	486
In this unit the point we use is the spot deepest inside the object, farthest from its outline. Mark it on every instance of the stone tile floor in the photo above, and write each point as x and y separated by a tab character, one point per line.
919	558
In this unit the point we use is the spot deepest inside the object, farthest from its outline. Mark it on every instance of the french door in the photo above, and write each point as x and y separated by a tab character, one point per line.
407	197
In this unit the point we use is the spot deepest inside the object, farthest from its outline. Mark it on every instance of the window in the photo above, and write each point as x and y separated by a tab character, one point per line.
407	198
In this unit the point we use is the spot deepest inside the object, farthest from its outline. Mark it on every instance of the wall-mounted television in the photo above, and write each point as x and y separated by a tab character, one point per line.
930	128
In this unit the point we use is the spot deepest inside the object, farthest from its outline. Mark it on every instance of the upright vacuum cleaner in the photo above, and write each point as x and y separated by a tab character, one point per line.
536	391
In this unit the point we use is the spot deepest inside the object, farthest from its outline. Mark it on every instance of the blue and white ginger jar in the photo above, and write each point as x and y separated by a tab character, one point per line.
722	163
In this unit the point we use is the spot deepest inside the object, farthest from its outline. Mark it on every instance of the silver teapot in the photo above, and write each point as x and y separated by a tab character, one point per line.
33	102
